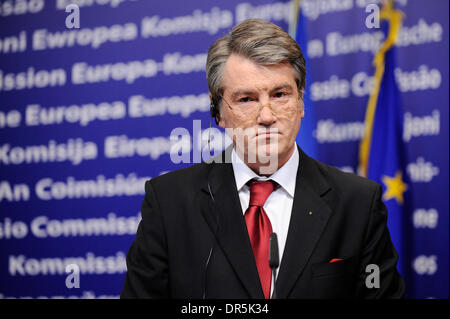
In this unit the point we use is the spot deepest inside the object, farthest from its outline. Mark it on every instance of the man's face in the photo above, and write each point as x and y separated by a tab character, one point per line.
261	99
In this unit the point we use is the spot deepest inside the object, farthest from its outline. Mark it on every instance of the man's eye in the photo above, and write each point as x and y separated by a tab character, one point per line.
244	99
280	94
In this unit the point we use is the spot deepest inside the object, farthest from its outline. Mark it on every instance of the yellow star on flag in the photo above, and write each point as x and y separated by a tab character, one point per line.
394	187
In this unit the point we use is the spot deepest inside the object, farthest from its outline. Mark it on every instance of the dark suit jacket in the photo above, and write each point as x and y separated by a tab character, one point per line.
193	241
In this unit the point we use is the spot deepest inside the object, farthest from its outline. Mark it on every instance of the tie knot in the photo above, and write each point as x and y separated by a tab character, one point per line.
260	191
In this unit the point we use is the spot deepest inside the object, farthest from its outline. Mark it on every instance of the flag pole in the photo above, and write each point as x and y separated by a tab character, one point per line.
395	18
293	19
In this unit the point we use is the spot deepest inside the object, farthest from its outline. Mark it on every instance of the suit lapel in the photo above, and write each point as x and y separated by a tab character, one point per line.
224	216
309	216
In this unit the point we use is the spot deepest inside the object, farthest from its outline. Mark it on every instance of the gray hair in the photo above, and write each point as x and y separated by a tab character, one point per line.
260	41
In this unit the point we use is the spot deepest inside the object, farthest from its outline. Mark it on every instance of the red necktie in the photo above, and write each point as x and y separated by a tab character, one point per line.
259	230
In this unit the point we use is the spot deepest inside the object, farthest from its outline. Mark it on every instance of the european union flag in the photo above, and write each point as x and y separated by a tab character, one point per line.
381	153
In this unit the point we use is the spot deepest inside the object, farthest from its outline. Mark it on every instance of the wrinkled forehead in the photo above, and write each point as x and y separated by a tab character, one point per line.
243	74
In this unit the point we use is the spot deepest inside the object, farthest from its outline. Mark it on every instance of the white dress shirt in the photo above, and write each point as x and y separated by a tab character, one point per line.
278	205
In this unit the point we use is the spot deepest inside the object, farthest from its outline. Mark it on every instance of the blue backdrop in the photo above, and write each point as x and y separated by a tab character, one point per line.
86	116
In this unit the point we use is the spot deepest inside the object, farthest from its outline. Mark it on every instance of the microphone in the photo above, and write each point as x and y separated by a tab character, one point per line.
211	250
274	260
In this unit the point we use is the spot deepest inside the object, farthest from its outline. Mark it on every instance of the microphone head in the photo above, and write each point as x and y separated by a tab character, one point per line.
274	259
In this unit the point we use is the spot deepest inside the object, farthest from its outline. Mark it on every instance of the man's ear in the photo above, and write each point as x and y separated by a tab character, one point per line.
302	103
302	93
213	110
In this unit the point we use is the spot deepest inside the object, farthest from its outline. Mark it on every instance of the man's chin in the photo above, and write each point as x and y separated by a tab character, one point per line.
265	158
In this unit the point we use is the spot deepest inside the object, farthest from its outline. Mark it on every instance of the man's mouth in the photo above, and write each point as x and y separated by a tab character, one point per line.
267	133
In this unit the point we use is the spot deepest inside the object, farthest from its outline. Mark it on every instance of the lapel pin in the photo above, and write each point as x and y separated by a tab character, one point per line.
310	213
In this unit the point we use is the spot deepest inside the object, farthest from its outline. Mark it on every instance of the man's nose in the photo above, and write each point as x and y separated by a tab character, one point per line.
266	116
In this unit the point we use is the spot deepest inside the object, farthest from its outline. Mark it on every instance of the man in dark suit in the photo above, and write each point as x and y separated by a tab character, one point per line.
205	229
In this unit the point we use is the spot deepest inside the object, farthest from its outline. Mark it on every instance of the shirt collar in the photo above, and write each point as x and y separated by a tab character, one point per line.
283	176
